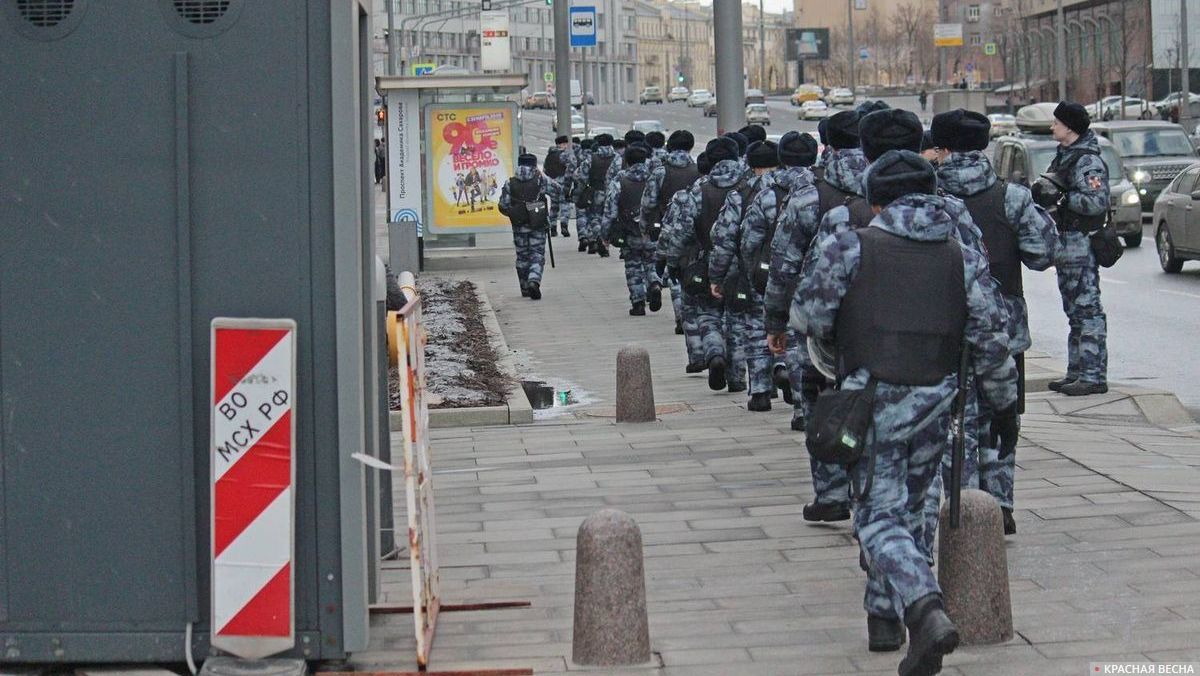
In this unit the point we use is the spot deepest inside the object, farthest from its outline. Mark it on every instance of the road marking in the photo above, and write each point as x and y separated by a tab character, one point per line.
1180	293
1110	280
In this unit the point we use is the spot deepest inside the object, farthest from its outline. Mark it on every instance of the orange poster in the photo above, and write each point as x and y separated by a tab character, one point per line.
472	151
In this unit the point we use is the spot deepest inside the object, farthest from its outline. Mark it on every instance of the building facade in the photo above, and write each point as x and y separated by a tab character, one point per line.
772	74
675	44
446	32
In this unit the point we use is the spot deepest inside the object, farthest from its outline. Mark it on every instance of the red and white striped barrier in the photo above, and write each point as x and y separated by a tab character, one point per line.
253	474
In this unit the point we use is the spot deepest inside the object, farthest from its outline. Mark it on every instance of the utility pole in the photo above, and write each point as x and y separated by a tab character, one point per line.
562	65
1185	97
1060	51
850	40
762	47
391	37
727	43
941	51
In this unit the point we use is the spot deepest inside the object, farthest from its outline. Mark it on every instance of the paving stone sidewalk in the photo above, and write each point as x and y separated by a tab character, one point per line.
1104	567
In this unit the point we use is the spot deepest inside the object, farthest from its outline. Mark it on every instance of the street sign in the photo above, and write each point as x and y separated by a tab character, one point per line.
548	77
252	471
494	49
971	67
860	4
989	48
947	35
423	68
864	54
583	26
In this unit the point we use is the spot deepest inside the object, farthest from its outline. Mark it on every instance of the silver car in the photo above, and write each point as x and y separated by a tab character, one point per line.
1177	220
757	113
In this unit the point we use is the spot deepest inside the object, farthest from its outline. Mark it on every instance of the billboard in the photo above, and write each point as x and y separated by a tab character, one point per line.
807	43
471	152
494	48
947	35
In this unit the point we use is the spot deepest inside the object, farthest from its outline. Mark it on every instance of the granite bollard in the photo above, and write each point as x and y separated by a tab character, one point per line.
973	570
611	627
635	387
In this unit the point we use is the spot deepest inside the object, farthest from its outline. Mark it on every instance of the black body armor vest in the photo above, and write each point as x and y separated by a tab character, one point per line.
554	167
831	197
999	237
905	314
1067	219
598	170
712	198
629	203
520	192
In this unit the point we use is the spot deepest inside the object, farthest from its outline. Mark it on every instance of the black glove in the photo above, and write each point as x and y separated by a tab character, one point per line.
1045	193
1003	431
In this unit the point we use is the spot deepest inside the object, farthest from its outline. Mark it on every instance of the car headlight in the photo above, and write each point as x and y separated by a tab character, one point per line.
1130	197
1139	176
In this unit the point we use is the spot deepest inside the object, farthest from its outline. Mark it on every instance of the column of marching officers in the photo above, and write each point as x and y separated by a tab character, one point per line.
879	265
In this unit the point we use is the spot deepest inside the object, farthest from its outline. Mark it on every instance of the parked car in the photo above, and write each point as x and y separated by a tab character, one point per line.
1177	221
650	95
1002	124
678	94
807	92
1153	152
1022	158
698	98
577	124
647	126
813	110
540	100
840	96
757	113
755	96
596	131
710	108
1110	108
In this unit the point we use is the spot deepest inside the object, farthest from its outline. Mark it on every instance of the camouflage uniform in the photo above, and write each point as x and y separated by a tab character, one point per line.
639	250
967	174
687	313
911	423
679	234
1078	273
587	221
530	243
737	236
561	206
658	171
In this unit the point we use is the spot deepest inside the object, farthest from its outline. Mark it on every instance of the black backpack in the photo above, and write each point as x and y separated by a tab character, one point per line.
760	261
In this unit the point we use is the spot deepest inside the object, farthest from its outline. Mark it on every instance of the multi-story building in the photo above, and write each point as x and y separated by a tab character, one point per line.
986	26
675	44
1107	44
774	31
446	32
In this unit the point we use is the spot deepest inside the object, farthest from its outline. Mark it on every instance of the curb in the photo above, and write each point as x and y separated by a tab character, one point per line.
516	409
1159	407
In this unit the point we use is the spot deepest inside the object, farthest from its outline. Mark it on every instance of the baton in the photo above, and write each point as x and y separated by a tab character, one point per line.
550	244
957	454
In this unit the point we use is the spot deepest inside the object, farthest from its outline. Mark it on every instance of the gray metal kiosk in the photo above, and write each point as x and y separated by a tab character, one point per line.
165	163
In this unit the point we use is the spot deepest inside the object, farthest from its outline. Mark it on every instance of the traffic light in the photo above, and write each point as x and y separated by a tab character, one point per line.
679	77
549	3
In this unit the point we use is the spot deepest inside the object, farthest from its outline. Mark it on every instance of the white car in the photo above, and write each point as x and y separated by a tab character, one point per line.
678	94
1110	108
757	113
1003	124
813	110
596	131
577	126
839	96
698	98
647	126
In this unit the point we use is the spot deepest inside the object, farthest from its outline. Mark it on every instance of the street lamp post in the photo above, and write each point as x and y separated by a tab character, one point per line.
1061	51
1185	97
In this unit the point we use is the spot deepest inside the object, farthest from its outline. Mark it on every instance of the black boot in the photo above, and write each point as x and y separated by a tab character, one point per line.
535	290
1057	385
565	232
759	402
798	423
678	328
1010	524
638	309
783	382
826	512
1080	388
654	296
621	255
591	247
734	388
583	245
695	368
933	635
553	232
602	250
716	373
524	291
884	634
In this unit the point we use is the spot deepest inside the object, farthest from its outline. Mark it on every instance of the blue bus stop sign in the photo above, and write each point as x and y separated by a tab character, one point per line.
583	26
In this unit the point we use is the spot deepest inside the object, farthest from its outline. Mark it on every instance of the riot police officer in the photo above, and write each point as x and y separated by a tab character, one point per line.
523	200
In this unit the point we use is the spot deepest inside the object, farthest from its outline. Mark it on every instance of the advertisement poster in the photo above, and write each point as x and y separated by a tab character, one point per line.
471	152
404	157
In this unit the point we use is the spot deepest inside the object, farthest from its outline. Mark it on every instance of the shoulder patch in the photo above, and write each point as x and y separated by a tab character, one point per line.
1095	182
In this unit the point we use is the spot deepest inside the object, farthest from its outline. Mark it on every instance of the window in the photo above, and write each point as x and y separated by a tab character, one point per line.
976	39
998	11
1186	183
973	13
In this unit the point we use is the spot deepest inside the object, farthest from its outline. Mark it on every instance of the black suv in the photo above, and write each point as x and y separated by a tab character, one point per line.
1024	157
1153	153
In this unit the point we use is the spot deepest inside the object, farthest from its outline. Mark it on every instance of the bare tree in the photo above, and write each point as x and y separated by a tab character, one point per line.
914	21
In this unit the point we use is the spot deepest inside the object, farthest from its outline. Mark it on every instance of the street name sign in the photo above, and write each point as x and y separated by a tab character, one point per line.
583	26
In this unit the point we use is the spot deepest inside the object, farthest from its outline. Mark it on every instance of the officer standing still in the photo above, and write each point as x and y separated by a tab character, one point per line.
523	200
559	167
900	346
1016	232
1077	183
621	225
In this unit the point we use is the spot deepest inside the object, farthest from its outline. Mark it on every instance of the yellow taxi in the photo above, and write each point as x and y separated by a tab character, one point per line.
807	92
